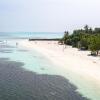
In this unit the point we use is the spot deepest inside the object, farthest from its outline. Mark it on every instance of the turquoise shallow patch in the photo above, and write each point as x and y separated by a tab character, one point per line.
32	60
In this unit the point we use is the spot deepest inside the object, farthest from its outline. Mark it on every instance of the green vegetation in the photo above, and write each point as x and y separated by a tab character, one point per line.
84	39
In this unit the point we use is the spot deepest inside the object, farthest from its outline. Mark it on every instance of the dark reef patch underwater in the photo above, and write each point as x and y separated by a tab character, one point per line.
19	84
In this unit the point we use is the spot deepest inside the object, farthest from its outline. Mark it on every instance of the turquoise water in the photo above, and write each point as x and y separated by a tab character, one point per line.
22	35
32	60
31	57
36	62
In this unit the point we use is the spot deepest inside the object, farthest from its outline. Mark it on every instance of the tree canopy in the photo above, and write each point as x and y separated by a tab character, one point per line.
84	39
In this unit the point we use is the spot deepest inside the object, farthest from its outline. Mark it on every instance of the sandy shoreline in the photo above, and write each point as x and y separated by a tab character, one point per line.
69	58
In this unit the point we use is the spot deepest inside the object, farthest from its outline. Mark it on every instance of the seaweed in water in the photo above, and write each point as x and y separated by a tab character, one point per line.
19	84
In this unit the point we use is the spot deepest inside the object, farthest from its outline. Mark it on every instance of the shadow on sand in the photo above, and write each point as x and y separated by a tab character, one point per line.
17	83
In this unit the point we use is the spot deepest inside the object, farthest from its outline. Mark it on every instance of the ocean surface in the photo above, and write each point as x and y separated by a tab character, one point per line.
27	75
25	35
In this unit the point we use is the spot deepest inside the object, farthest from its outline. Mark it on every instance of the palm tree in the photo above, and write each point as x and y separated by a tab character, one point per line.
86	28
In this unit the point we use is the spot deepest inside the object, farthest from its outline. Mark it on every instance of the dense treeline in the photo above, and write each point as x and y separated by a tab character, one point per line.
84	39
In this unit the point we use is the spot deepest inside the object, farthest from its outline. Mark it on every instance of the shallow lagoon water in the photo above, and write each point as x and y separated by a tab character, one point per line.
28	75
33	61
19	84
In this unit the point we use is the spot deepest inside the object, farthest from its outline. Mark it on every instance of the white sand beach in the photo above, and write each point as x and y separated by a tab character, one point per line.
69	59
